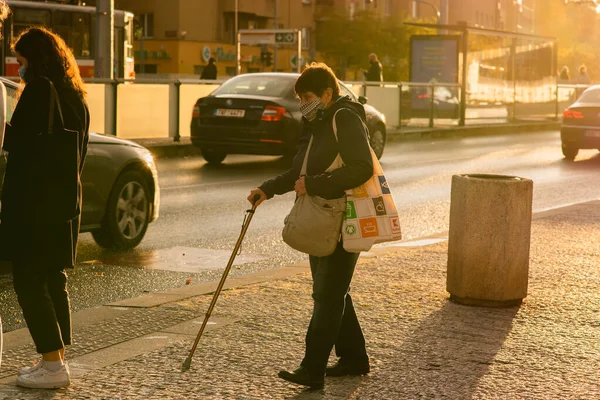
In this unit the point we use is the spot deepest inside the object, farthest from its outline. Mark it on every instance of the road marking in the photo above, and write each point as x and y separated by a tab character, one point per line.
198	185
415	243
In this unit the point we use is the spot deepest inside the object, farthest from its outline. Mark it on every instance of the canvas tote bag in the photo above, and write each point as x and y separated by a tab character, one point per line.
371	214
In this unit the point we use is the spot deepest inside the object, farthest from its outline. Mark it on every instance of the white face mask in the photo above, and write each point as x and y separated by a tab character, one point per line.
311	108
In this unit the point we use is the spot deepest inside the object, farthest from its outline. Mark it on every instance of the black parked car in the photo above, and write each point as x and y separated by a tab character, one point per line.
260	114
581	124
120	186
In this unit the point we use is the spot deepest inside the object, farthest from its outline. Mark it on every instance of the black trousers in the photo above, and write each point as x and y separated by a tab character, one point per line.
44	299
333	321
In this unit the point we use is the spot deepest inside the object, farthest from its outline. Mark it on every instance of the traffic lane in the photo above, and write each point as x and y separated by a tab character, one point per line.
203	205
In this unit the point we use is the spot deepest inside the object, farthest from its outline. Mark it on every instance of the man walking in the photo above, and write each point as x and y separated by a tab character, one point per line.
210	71
375	72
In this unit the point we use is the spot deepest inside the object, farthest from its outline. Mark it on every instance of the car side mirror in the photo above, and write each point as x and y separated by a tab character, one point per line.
362	99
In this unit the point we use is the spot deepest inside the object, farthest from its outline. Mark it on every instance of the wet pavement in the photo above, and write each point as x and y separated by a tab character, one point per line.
422	346
203	208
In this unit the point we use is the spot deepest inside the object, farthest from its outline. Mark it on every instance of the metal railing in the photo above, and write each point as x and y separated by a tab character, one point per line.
151	108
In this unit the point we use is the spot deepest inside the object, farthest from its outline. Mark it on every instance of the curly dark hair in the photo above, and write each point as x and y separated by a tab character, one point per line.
48	56
4	10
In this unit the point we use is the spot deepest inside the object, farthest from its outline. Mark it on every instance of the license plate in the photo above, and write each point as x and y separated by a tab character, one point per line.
229	112
592	133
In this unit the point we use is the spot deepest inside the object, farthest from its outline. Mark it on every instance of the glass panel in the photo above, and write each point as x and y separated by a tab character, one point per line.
11	101
74	28
257	85
591	96
24	18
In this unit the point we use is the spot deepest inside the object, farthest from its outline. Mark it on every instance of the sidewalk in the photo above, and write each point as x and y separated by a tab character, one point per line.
167	147
422	346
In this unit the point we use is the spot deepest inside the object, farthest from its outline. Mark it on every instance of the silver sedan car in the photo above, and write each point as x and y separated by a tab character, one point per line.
120	186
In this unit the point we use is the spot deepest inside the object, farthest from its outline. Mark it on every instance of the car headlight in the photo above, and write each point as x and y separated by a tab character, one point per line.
148	159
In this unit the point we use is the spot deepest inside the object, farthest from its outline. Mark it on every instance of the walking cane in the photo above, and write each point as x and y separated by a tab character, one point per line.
188	361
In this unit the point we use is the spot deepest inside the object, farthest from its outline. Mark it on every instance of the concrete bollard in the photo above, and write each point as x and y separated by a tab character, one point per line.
488	244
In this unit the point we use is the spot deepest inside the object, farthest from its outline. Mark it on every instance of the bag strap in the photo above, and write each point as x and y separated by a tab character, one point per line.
304	163
54	103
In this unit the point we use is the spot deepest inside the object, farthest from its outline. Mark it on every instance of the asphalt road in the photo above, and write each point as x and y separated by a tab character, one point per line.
203	207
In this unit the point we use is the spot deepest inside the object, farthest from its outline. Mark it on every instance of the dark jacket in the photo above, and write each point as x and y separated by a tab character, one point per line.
24	233
352	145
209	72
375	72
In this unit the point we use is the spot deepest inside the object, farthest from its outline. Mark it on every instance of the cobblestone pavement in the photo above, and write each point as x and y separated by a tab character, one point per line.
422	346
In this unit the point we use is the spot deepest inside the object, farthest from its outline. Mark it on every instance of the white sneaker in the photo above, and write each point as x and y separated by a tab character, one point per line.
43	378
33	368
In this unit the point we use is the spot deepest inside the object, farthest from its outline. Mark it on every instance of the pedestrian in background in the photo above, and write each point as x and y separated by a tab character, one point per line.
564	76
583	78
41	246
334	321
375	72
210	70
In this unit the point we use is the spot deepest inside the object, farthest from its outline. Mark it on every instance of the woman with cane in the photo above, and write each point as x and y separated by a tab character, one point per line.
334	321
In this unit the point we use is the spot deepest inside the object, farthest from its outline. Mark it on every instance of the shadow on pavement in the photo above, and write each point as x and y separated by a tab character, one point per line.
337	388
448	354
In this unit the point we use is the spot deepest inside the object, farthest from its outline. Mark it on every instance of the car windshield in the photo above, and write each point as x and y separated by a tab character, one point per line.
590	96
256	85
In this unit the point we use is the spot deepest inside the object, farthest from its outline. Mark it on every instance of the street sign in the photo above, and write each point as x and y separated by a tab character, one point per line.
206	53
268	36
294	61
257	38
285	38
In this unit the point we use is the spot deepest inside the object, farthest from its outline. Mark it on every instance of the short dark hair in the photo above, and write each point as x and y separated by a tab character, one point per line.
316	78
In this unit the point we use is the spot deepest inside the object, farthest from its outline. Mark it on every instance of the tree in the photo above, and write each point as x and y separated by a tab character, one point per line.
345	42
576	28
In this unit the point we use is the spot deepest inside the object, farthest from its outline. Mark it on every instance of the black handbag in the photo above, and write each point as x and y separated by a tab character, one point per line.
55	173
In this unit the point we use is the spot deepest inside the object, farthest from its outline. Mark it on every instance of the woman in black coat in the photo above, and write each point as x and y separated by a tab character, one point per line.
40	221
334	321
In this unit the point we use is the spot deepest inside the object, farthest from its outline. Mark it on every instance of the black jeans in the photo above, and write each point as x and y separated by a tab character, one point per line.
44	299
333	321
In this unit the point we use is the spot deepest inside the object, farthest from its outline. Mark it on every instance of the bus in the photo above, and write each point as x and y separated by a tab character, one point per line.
76	25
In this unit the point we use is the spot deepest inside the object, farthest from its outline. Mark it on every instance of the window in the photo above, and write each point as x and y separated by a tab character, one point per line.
23	18
305	38
146	24
11	101
148	69
344	91
75	29
591	96
256	85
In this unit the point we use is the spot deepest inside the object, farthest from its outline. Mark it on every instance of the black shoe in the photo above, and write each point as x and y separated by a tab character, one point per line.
344	369
301	376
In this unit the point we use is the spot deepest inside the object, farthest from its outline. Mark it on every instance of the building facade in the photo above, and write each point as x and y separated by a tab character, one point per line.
177	37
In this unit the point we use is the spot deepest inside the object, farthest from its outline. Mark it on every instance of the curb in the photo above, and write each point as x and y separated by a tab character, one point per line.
168	148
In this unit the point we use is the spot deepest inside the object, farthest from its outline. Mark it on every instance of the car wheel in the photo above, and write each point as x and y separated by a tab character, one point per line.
127	214
569	151
377	140
213	156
